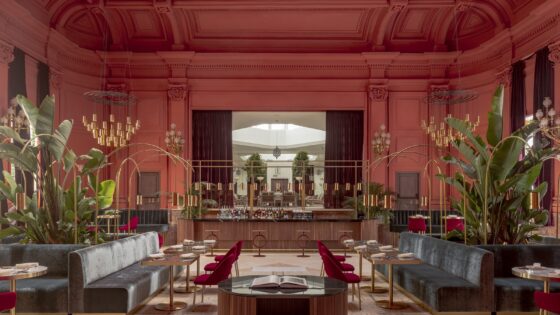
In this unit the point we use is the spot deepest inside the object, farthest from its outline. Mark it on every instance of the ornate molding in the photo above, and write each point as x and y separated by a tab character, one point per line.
117	87
6	53
398	5
463	5
554	53
55	80
177	92
378	93
504	76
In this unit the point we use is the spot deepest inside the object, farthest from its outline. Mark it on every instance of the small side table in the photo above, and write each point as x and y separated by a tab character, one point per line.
171	261
543	274
20	274
390	260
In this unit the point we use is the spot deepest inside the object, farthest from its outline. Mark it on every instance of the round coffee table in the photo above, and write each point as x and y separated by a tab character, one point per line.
543	274
20	274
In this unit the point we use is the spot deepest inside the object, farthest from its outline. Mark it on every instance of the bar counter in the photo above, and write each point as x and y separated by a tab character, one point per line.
283	234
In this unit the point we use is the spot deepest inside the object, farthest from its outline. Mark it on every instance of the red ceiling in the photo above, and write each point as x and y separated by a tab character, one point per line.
283	25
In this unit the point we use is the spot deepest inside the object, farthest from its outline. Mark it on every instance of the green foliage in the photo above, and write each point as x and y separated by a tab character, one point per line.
301	163
50	162
499	178
376	211
255	167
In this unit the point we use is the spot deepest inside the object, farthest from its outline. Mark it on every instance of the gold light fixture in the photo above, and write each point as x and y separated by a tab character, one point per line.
111	133
549	121
534	200
424	201
381	140
139	200
442	134
387	202
20	201
174	140
347	186
15	117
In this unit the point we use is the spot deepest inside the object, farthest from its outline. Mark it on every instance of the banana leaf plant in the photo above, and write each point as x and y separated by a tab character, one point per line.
495	176
62	205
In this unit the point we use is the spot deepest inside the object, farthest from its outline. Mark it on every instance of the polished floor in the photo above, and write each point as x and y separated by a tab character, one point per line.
291	264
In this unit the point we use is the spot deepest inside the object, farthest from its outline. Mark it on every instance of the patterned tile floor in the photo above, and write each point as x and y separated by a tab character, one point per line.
250	265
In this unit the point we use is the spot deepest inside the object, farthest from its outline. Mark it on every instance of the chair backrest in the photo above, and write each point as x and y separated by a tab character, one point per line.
416	224
325	251
7	300
222	272
332	269
134	222
455	224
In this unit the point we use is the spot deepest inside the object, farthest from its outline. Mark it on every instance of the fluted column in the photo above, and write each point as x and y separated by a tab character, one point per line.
378	115
176	98
554	57
6	57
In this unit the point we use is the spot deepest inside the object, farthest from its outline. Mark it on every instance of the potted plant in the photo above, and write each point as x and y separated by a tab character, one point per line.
496	177
63	205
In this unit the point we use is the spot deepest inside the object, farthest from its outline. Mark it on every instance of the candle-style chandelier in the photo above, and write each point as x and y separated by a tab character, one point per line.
549	121
15	118
381	140
174	140
111	133
442	134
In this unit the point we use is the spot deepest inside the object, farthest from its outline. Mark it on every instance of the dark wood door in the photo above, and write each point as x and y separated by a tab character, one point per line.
148	187
282	184
408	189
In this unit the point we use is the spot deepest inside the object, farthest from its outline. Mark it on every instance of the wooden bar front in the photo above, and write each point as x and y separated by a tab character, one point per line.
290	234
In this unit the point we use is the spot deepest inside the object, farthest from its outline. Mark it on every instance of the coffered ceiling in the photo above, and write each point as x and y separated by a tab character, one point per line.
281	25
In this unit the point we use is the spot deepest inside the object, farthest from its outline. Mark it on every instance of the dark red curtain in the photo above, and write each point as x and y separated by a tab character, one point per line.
544	86
212	146
517	95
343	151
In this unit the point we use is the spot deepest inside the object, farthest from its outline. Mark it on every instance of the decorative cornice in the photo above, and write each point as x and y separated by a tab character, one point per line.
177	92
554	53
503	76
6	53
378	93
55	80
463	5
398	5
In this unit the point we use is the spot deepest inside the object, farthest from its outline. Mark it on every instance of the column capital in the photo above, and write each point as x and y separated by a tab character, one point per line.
55	80
554	53
377	93
503	76
397	5
120	87
6	53
177	92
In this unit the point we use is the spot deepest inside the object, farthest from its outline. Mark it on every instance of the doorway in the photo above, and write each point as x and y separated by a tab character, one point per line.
408	190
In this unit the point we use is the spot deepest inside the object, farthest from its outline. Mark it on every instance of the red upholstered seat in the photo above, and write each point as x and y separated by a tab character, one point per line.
346	267
417	225
220	257
455	224
548	301
211	266
133	225
221	273
333	270
7	300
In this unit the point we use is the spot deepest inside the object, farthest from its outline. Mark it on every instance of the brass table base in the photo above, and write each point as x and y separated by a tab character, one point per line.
171	307
376	290
386	304
183	289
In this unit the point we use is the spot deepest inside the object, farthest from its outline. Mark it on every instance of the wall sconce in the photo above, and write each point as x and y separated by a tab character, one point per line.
220	187
534	200
387	202
359	186
174	140
348	186
424	201
325	186
139	200
230	186
336	187
381	140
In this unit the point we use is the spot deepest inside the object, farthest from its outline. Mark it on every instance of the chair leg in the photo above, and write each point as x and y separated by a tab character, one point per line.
194	298
321	273
203	287
236	269
359	299
353	291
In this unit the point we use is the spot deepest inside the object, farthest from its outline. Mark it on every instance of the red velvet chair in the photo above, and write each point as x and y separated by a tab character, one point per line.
221	273
238	247
333	271
324	250
548	301
455	223
133	225
210	267
7	301
417	225
160	240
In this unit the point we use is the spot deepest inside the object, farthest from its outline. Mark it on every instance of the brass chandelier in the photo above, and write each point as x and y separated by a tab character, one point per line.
111	133
442	134
381	140
549	121
15	119
174	140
